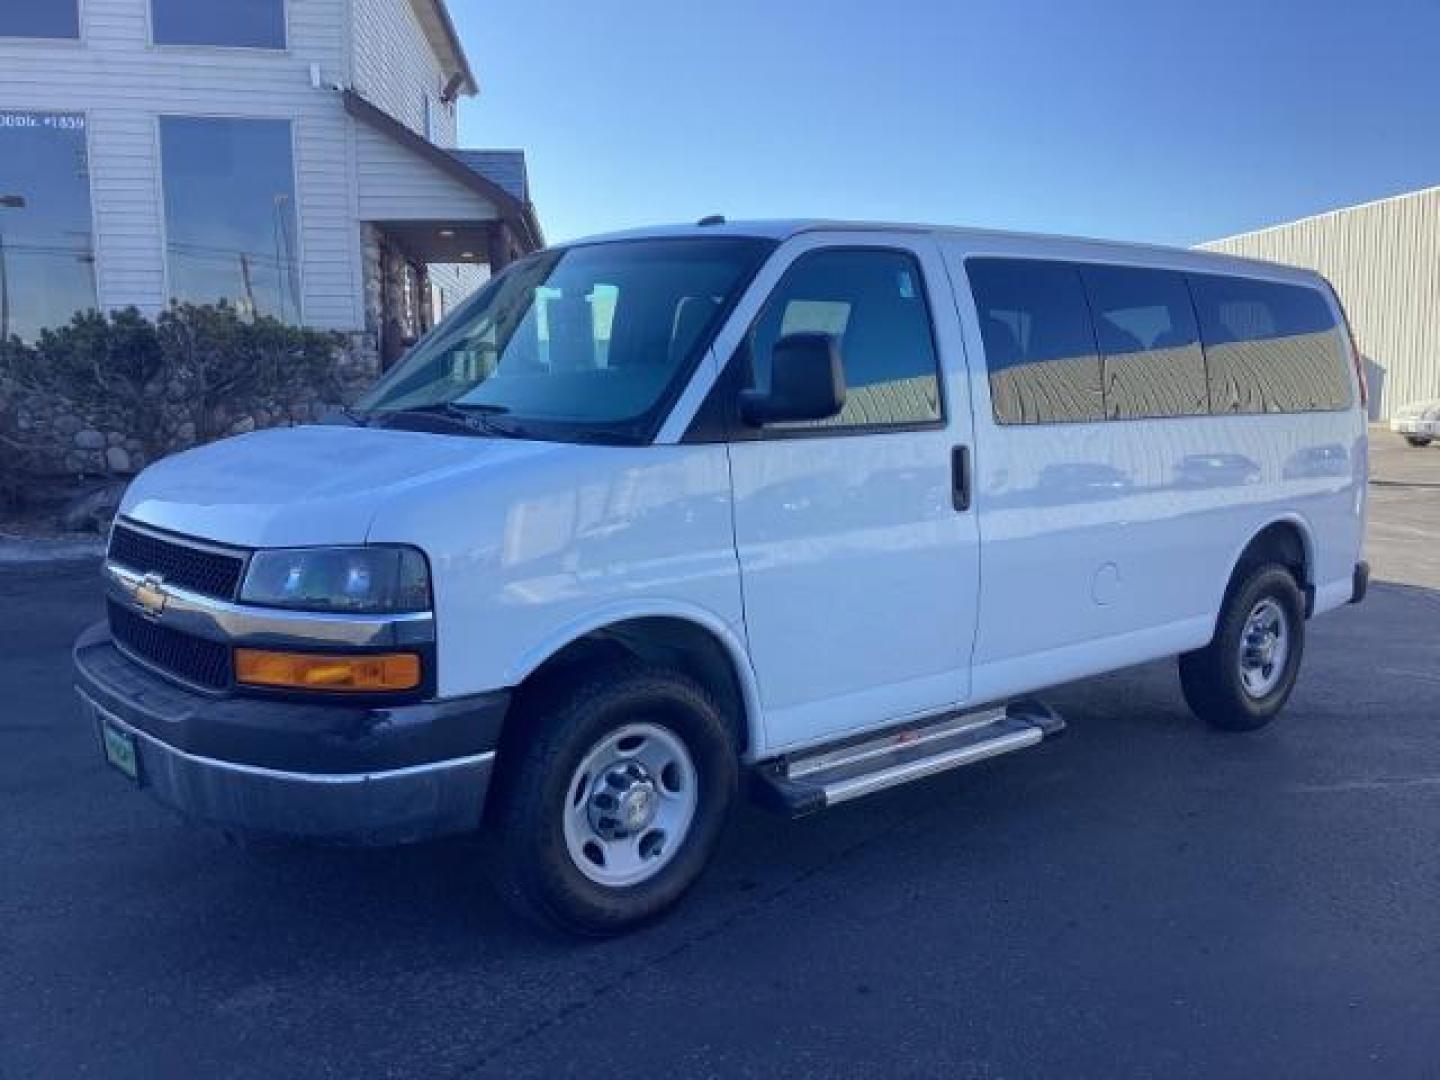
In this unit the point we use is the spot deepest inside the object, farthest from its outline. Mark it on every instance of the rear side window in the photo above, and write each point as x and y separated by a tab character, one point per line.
1149	345
874	302
1039	342
1270	348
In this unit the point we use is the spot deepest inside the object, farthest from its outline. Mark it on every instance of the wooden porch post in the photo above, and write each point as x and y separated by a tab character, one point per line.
500	248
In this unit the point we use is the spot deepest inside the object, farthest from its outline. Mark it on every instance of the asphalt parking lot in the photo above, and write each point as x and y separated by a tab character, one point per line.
1143	897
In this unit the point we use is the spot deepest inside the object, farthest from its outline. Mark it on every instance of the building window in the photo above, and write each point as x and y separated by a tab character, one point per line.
230	224
40	18
47	261
1039	342
251	24
873	302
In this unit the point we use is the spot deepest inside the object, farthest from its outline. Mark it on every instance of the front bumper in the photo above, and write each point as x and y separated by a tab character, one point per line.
1413	425
336	773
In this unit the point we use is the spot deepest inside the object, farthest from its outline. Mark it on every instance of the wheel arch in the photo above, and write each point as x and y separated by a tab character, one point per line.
1286	539
691	639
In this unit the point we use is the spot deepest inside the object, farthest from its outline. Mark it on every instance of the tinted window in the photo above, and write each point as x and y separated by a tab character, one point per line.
1039	344
256	24
230	214
47	263
1270	347
1149	346
874	302
40	18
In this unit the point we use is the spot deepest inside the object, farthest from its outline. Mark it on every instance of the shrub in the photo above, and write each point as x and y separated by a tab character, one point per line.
188	376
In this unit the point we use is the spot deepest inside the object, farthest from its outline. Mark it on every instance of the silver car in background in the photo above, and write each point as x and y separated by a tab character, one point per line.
1418	422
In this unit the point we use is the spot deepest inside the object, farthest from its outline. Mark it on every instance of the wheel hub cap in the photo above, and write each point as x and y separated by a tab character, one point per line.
624	802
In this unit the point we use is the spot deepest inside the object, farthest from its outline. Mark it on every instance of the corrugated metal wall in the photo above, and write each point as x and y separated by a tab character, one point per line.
1384	260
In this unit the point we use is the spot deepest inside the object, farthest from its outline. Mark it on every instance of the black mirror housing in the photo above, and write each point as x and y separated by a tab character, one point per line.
807	382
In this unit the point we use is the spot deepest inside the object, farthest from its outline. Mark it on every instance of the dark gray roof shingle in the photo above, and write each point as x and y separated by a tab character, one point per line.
503	167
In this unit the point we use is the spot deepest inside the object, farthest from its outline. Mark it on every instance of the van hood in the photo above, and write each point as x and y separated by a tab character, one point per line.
303	486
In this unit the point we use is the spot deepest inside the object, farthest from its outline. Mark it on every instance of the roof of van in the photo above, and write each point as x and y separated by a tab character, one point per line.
784	228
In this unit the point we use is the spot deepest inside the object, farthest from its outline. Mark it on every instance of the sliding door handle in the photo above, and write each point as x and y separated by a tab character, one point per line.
960	477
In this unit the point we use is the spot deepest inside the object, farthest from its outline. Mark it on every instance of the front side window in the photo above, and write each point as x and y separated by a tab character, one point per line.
230	227
1149	346
1039	343
253	24
873	301
40	18
585	343
1270	347
47	261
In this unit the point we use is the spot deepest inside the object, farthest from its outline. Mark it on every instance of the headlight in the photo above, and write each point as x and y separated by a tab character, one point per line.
360	580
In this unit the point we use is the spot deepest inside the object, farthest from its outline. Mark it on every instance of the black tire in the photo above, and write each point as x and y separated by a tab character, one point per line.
1417	440
557	731
1211	677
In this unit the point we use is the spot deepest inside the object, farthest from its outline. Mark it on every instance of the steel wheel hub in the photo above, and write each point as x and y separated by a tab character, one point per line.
1264	648
630	805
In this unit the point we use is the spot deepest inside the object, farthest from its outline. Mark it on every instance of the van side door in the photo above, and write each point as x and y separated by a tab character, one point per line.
857	550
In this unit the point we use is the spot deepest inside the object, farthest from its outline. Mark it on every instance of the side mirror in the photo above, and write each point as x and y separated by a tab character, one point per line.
807	382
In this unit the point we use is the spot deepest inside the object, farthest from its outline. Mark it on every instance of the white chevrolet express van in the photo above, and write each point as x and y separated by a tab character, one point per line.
817	506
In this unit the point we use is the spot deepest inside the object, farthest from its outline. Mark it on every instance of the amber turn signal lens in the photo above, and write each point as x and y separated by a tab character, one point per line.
313	671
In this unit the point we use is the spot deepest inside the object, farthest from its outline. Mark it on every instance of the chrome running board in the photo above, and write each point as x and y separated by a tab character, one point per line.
851	769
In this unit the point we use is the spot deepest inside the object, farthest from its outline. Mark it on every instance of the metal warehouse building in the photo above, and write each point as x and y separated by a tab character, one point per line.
1384	260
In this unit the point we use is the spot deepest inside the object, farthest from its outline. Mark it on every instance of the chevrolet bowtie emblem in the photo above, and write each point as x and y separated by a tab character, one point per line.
149	594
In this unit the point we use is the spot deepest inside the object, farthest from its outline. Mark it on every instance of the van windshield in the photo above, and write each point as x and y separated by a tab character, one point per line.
588	343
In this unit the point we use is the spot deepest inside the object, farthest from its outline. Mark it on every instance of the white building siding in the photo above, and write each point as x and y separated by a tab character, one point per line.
123	84
455	281
396	184
1384	260
396	69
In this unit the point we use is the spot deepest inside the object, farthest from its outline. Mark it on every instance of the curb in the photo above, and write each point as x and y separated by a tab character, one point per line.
38	552
1377	482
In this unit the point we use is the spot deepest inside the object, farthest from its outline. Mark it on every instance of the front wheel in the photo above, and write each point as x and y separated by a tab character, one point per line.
614	798
1242	679
1418	440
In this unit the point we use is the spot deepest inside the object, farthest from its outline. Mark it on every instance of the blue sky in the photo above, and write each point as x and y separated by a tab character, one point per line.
1161	120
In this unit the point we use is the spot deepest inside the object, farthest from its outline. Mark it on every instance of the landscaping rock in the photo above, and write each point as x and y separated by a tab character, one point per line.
117	459
89	439
94	508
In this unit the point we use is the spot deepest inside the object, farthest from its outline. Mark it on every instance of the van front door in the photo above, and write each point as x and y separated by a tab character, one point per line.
859	563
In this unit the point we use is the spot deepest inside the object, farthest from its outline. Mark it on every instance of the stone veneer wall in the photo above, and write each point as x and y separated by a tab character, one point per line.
61	442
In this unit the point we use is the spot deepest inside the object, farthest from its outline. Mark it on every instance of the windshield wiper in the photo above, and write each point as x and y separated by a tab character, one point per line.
444	413
475	419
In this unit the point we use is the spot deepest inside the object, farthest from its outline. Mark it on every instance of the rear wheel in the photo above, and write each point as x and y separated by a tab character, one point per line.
1418	440
1242	679
613	803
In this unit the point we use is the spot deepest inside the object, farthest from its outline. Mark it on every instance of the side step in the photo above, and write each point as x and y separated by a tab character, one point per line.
838	773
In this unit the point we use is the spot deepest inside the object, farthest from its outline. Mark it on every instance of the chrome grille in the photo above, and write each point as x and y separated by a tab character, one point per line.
199	569
193	659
